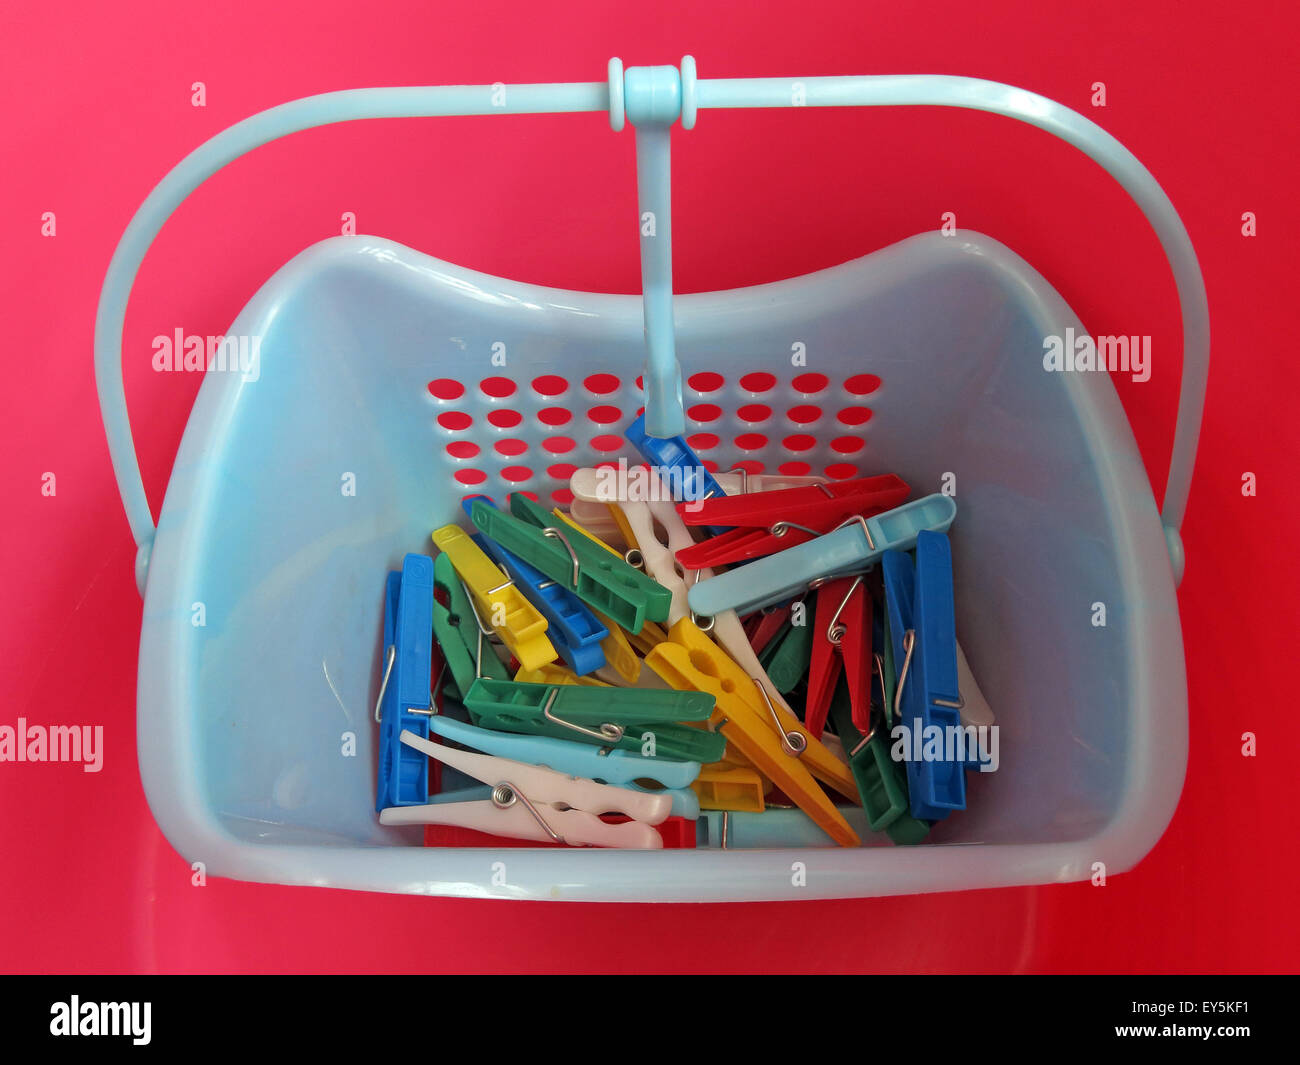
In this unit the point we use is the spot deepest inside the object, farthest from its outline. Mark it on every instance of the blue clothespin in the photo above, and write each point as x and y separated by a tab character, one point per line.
679	466
851	549
571	626
404	695
922	628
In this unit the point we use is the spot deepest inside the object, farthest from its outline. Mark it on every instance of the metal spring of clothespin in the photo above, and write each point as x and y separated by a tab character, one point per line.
389	658
866	529
880	672
483	630
558	534
909	644
783	527
835	631
699	619
608	732
505	795
794	742
739	468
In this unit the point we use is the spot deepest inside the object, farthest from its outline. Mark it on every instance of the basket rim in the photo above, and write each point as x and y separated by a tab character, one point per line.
167	740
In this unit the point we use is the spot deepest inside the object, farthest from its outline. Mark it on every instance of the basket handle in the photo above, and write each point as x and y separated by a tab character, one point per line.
938	90
687	95
227	146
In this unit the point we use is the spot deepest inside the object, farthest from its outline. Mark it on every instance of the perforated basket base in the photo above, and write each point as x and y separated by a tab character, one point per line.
379	404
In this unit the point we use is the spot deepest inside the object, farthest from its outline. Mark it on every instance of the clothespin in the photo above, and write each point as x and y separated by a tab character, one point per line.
601	581
458	633
622	664
532	802
686	474
595	518
779	828
676	832
501	605
848	550
620	721
768	522
841	641
721	786
621	768
624	530
769	623
882	782
746	715
740	482
642	521
596	521
659	532
786	657
405	701
554	673
571	626
975	708
922	628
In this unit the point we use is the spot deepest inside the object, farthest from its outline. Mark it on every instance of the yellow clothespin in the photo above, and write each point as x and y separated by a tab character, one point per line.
568	520
554	673
650	637
746	715
624	527
619	654
501	606
729	787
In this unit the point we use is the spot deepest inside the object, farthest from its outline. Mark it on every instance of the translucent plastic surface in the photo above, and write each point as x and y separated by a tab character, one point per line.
242	721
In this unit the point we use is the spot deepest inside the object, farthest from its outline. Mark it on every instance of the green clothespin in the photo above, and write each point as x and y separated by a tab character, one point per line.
786	657
882	782
599	578
465	648
615	718
906	829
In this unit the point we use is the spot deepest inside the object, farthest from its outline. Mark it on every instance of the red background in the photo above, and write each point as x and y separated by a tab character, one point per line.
96	107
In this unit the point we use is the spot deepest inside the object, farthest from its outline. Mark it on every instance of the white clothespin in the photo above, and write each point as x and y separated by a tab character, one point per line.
532	802
975	708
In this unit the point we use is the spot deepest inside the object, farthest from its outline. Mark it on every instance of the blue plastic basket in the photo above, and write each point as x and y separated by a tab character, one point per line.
243	722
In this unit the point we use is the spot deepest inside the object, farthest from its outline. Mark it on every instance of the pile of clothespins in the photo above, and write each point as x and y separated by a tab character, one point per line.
587	678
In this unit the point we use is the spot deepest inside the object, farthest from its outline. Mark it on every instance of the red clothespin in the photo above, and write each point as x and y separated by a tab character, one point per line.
851	634
841	641
765	522
769	624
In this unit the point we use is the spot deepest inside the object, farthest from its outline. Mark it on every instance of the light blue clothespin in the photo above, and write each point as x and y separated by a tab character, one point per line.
744	830
851	549
618	767
685	802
